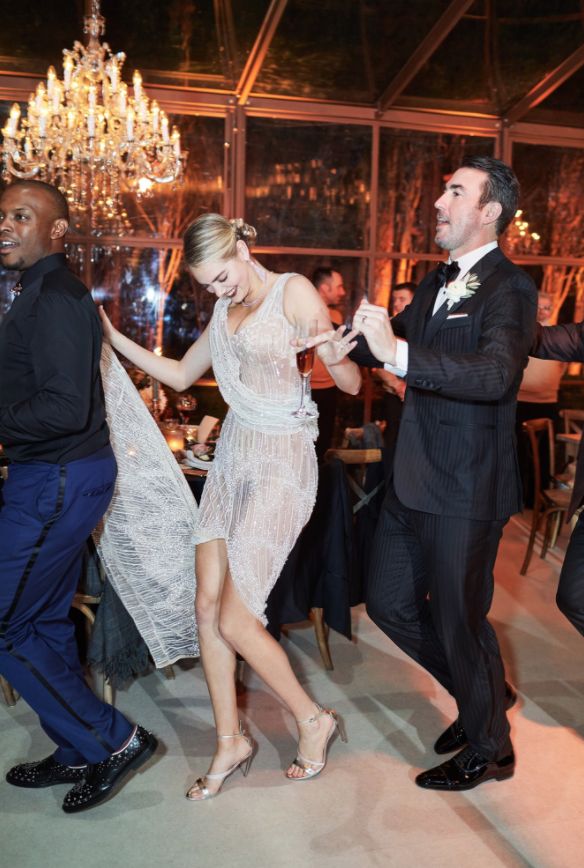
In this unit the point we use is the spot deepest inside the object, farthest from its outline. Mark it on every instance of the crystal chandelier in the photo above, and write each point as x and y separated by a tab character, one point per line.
91	136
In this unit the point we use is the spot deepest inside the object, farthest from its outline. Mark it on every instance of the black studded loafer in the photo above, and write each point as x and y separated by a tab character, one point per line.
44	773
454	738
466	770
103	779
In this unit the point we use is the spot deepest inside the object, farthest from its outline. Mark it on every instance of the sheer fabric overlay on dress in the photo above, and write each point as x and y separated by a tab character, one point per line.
261	487
146	539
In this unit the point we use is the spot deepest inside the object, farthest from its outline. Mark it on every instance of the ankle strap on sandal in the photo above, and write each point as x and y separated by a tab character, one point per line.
314	718
240	734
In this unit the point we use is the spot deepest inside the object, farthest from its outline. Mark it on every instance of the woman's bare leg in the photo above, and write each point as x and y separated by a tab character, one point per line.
217	657
266	656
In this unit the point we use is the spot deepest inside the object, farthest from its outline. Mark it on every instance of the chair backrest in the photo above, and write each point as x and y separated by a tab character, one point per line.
358	458
535	430
355	456
573	421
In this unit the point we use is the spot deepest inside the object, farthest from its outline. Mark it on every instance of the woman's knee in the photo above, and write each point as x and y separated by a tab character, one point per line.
206	607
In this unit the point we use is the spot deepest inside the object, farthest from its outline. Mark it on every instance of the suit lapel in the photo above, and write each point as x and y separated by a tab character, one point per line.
424	297
483	270
485	266
434	324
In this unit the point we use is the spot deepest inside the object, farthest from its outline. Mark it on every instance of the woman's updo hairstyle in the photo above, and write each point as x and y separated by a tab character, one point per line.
212	237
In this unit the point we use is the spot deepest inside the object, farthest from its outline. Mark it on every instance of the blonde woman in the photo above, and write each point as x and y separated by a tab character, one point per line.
261	487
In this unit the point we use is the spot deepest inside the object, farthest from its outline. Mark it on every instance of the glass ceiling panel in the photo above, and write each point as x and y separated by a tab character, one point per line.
180	37
567	103
344	50
499	61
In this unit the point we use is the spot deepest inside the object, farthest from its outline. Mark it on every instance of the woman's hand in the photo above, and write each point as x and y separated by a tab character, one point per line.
333	345
108	329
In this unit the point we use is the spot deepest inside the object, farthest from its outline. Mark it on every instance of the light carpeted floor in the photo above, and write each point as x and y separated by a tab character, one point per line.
364	810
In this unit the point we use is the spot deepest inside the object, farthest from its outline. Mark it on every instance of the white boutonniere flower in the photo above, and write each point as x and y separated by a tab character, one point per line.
460	289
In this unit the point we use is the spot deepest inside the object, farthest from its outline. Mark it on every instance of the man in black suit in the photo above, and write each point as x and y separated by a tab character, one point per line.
566	344
455	475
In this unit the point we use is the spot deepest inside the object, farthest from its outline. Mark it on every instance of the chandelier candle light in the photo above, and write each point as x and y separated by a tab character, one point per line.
91	135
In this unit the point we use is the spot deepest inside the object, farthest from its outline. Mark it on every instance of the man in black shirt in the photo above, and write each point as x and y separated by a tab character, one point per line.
61	478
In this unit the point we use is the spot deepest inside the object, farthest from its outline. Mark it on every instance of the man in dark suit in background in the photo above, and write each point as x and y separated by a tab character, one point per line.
455	475
60	481
394	387
565	343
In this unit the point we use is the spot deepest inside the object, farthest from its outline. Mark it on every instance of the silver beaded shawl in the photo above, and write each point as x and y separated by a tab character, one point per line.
146	538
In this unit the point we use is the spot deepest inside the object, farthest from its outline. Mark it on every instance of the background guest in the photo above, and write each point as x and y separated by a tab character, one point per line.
566	343
537	399
329	284
394	388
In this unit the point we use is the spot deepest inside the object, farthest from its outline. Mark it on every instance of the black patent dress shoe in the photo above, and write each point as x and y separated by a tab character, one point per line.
103	779
44	773
454	738
466	770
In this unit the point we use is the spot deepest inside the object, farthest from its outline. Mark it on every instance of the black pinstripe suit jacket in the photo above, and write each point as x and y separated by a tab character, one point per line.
565	343
455	453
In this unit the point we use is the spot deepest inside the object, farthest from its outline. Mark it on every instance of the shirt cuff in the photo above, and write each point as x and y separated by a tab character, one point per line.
400	368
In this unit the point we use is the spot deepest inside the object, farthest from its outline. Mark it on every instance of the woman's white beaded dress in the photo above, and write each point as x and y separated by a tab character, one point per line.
261	487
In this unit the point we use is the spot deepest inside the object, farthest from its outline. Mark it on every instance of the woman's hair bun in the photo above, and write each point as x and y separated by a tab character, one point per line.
243	231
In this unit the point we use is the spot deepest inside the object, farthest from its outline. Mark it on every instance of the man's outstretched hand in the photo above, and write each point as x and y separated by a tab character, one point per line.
372	321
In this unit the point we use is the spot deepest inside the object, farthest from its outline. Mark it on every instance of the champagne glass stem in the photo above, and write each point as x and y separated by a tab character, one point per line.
303	393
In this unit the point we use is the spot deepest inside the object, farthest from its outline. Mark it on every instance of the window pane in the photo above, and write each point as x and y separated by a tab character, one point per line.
552	192
307	184
412	170
170	208
390	272
353	272
150	296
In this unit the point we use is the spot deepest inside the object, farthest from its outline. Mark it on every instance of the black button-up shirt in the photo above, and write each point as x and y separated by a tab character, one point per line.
51	397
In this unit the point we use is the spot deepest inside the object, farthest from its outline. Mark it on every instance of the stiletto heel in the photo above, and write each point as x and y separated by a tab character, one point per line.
244	763
312	768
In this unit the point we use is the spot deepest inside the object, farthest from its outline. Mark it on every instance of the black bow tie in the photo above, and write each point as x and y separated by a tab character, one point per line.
16	290
446	272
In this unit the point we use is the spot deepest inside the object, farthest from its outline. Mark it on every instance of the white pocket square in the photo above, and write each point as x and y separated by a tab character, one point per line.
456	315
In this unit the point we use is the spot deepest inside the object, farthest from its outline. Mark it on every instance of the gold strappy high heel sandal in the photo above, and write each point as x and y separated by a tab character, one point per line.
200	784
312	768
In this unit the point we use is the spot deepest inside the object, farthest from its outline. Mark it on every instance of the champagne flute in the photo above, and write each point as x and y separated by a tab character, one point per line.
303	330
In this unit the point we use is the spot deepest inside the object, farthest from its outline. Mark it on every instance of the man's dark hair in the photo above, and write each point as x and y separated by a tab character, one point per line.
500	186
59	202
320	274
407	284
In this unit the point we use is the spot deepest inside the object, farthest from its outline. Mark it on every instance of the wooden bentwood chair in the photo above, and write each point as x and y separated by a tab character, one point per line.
550	504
